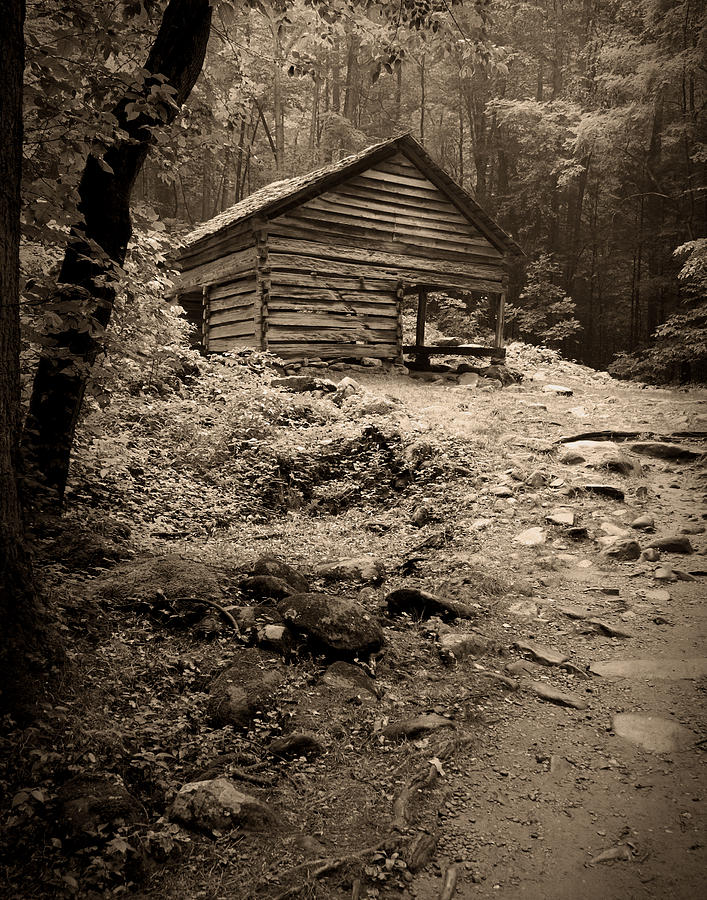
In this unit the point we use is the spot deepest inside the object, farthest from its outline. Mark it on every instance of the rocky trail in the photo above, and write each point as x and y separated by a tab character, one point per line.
457	650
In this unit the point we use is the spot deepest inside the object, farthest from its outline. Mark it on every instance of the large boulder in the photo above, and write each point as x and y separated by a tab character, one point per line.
218	805
271	565
241	691
335	624
599	455
170	576
89	802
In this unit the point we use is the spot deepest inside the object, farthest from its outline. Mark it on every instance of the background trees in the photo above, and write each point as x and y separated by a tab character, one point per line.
579	124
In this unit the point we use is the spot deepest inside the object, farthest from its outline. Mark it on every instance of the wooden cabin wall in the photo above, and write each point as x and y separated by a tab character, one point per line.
330	316
233	314
390	222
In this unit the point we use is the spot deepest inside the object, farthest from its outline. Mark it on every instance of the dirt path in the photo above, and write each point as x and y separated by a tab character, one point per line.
554	787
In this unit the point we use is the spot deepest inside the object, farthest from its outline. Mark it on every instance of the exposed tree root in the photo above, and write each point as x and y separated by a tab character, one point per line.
449	885
224	612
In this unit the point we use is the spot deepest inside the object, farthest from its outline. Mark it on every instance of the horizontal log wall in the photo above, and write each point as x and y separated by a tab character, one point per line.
390	222
233	312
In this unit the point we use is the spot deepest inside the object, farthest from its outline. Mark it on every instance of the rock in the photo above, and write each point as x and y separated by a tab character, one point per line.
245	616
423	514
423	605
371	361
480	524
547	656
652	732
523	667
643	523
299	743
561	516
677	543
614	530
607	490
665	450
623	550
658	595
413	728
651	555
555	695
168	576
89	802
218	805
303	383
265	587
536	479
350	678
692	529
376	406
669	668
599	455
524	609
336	624
557	389
455	646
531	537
241	691
276	637
578	533
501	490
574	612
611	630
346	388
354	568
471	379
664	574
272	565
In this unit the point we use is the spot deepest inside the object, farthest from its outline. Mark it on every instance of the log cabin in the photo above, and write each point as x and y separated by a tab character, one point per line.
317	266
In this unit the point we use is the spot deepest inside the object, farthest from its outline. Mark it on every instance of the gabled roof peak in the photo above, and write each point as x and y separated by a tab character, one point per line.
272	199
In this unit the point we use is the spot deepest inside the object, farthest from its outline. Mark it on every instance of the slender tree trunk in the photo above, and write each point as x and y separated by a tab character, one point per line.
423	99
352	86
335	77
97	246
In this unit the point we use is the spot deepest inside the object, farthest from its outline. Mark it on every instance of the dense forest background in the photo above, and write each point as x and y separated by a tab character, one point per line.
578	124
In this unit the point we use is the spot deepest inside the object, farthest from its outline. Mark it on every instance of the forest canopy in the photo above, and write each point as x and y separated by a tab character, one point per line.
578	124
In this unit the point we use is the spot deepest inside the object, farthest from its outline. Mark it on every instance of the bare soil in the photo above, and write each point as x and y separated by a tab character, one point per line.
522	796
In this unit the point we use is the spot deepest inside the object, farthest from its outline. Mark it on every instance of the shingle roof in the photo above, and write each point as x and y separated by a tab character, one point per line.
268	200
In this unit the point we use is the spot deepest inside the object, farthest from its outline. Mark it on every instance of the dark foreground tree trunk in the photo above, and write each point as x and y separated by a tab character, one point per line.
98	245
20	632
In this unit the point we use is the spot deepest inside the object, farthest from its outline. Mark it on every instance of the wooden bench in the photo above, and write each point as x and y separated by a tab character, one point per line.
425	351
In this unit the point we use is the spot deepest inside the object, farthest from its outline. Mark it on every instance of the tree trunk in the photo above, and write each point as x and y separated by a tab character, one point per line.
423	99
22	644
98	245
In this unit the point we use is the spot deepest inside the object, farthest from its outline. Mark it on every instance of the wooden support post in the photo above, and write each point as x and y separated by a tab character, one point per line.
500	320
205	313
421	313
263	281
